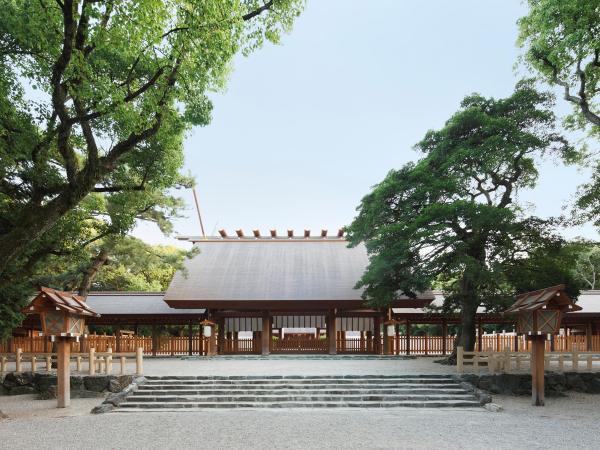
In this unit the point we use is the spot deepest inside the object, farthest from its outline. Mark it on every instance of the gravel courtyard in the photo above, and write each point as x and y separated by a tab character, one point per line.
571	421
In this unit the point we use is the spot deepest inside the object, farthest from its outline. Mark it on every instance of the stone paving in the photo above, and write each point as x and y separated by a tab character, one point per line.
278	365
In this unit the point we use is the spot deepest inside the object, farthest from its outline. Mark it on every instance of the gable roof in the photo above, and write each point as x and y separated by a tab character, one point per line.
62	301
251	272
134	304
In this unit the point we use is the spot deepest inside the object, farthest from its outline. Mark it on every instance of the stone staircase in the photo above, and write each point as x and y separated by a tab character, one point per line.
367	391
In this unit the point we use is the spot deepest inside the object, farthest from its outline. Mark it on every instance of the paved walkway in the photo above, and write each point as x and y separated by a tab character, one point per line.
293	366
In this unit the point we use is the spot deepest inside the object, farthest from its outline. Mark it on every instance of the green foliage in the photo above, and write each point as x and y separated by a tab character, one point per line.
451	216
562	43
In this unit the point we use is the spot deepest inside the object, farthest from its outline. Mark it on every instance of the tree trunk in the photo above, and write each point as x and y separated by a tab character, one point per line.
35	220
92	271
469	325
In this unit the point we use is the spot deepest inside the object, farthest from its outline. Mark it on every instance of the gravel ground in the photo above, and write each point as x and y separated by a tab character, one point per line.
566	422
571	421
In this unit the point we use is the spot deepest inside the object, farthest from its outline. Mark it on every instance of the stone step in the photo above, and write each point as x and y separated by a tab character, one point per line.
259	387
416	381
298	398
334	391
295	377
137	406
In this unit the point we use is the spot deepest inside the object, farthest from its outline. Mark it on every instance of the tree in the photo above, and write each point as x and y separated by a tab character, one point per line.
451	216
562	42
116	85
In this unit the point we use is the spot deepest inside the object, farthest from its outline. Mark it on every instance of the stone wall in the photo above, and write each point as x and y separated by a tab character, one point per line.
520	384
45	384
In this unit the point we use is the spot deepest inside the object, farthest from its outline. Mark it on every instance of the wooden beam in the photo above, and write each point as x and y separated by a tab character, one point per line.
273	233
223	233
306	233
266	334
537	370
256	233
332	332
340	233
290	233
323	233
444	337
63	369
240	233
190	339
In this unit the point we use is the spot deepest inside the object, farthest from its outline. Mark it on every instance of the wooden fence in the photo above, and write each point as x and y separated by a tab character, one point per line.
423	345
95	362
509	361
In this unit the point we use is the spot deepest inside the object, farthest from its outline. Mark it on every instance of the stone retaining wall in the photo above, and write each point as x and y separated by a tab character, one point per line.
520	384
45	384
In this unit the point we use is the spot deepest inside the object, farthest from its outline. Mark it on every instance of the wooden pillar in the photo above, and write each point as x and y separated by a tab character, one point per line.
190	339
331	332
537	370
63	373
363	341
266	334
444	337
377	334
479	336
343	340
154	340
588	336
407	337
386	341
221	335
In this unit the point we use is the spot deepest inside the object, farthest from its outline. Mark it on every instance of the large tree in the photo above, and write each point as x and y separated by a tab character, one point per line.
451	216
96	96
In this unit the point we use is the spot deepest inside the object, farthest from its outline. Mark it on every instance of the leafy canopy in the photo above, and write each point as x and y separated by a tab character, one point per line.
96	97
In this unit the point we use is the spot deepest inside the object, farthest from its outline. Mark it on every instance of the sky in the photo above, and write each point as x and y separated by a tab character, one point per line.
306	128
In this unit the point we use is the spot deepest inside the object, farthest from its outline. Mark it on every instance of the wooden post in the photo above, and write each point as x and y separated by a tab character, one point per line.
154	340
537	369
266	334
221	335
18	360
479	336
48	363
377	334
108	366
444	337
332	332
190	339
78	360
63	388
386	341
408	337
588	337
92	361
139	361
33	363
123	362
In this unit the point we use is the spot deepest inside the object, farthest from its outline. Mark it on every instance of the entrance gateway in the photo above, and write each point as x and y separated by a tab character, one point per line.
284	294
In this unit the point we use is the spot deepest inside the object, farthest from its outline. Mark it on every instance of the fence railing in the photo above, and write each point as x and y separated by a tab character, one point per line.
93	361
509	361
421	345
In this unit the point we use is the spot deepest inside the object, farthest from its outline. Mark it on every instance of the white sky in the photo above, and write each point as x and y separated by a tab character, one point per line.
306	128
